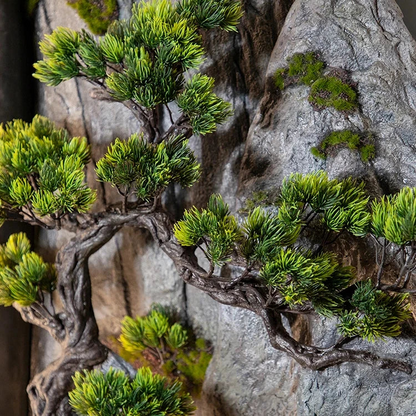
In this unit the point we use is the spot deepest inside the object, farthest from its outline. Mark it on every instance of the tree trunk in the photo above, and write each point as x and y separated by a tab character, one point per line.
48	391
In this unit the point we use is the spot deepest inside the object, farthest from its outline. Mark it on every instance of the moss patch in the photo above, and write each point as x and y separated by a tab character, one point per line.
346	138
303	68
98	14
258	199
333	92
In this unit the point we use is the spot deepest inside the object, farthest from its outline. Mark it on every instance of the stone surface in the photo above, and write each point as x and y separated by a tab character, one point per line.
367	38
269	137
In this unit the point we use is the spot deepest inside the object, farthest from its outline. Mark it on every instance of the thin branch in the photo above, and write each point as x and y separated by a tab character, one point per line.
380	263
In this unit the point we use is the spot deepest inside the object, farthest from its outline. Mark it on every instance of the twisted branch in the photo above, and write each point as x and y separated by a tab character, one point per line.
243	294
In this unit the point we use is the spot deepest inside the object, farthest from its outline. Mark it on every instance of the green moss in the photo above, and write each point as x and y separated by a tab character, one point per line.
303	68
333	92
349	139
279	78
98	14
367	152
258	199
306	66
193	366
317	153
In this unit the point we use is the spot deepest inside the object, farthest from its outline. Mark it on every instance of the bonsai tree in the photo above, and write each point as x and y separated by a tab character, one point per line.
280	253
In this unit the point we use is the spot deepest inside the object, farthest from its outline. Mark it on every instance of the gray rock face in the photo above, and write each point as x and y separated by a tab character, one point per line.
269	137
367	38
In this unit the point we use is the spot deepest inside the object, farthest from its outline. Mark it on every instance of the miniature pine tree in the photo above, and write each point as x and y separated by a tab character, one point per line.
280	252
159	342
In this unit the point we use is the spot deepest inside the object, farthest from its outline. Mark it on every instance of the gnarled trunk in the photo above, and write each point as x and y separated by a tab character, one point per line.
74	327
48	391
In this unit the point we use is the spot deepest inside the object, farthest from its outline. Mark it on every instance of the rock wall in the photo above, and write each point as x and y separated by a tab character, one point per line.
269	136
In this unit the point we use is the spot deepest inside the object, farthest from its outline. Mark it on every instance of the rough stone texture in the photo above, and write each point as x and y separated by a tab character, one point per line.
367	38
246	376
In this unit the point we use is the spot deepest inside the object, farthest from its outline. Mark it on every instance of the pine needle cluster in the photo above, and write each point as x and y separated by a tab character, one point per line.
269	240
113	393
42	169
394	217
23	273
145	58
157	341
374	314
213	226
341	204
137	167
153	332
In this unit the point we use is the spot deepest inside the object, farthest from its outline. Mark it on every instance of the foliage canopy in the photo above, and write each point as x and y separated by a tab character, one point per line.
269	239
41	169
23	273
159	342
145	58
113	393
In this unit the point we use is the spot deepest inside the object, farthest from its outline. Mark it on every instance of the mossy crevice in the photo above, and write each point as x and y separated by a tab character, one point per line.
98	14
363	143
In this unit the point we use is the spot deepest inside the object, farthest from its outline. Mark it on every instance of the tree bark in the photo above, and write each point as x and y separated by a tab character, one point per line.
75	327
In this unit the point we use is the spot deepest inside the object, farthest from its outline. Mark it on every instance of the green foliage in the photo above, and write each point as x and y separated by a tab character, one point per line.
394	217
151	331
333	92
42	169
23	273
204	109
269	240
374	314
156	338
303	68
343	204
98	14
214	225
300	277
135	165
209	14
113	393
349	139
145	59
264	233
